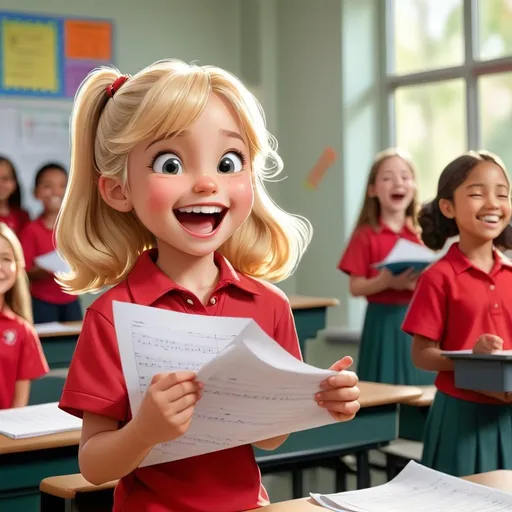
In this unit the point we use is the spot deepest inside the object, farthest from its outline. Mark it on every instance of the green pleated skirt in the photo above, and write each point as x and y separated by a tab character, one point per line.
463	438
385	350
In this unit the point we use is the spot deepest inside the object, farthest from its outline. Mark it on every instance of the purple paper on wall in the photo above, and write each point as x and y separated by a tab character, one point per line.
75	72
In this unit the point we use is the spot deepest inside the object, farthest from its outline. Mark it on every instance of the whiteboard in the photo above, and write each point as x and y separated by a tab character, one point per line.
33	133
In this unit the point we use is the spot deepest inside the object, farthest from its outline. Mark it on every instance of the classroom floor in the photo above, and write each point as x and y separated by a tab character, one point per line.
321	480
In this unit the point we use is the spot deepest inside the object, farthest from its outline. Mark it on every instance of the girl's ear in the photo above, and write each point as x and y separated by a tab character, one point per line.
371	191
447	209
114	192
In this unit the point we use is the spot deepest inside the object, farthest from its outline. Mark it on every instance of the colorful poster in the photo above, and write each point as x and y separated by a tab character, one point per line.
43	56
90	40
30	55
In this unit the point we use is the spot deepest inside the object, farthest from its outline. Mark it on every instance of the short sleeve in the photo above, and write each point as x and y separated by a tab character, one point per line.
32	363
427	312
95	381
285	332
29	245
356	258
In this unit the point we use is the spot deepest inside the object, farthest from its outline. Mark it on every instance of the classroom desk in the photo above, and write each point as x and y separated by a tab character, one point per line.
310	314
501	480
375	424
59	346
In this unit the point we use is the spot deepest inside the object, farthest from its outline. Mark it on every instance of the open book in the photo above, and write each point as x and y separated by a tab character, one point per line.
405	255
253	388
419	489
37	420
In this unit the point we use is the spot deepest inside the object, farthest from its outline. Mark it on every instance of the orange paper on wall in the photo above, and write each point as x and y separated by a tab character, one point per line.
325	161
90	40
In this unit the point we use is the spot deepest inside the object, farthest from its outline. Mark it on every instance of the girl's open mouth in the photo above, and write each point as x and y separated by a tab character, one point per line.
201	219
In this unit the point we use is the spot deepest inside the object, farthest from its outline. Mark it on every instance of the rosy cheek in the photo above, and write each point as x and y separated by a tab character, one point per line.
161	194
241	192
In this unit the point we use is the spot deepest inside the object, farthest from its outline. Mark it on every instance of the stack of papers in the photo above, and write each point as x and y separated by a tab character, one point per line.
56	328
52	262
37	420
406	255
253	388
419	489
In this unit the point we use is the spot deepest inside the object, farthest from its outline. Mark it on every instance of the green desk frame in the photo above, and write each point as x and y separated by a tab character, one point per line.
59	350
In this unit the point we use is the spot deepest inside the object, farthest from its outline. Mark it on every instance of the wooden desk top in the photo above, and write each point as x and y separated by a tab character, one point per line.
501	480
74	329
303	302
66	486
372	395
426	398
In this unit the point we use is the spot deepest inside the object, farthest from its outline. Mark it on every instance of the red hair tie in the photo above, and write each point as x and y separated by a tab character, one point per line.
118	82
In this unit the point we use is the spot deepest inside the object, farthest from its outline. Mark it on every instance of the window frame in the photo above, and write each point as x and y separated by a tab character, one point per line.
470	71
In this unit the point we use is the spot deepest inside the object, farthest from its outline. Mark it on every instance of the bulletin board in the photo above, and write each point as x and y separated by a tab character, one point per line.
49	57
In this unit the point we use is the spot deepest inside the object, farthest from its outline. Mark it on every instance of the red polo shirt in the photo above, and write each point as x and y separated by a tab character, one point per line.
21	355
369	246
36	240
16	220
455	303
224	481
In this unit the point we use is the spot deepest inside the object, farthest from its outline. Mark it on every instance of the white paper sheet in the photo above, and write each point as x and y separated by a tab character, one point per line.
52	262
253	388
406	251
37	420
419	489
470	351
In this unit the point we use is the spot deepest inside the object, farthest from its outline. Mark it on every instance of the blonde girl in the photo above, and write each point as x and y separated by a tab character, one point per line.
389	213
166	201
21	356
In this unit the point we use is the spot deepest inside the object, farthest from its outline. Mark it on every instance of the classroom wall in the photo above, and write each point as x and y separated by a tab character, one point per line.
327	95
167	28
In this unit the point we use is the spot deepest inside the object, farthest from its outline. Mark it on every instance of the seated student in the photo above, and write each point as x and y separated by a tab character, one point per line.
11	212
21	355
49	301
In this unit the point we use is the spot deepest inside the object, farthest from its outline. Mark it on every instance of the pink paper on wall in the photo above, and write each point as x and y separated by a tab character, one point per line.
75	72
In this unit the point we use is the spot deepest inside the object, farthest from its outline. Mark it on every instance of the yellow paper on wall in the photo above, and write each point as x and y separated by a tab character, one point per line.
30	55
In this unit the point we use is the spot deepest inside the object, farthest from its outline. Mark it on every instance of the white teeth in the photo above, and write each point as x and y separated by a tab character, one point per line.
201	209
490	218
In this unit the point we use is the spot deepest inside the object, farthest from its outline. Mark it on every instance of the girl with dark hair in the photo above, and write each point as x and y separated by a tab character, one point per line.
464	301
11	212
50	303
389	212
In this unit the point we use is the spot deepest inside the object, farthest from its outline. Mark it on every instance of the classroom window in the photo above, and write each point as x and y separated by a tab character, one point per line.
448	78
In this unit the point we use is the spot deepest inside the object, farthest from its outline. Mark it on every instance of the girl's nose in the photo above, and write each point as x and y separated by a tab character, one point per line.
205	184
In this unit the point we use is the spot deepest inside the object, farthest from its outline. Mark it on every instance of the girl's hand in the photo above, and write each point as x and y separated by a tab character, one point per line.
404	281
340	392
487	344
167	408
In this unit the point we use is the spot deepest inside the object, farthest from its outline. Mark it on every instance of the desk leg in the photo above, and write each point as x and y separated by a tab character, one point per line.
51	503
297	484
363	470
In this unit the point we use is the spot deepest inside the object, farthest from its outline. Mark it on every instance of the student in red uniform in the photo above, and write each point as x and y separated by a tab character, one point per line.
11	212
464	301
166	200
50	303
21	356
388	214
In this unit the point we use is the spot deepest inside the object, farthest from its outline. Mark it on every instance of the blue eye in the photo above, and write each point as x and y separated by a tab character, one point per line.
168	163
230	162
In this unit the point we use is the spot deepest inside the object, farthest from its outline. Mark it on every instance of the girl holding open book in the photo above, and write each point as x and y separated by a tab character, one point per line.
21	356
166	201
50	303
389	213
464	301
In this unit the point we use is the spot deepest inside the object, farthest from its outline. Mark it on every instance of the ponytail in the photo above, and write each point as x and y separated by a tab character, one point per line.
436	228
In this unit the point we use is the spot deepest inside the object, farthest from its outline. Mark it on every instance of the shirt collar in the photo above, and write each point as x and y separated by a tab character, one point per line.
460	262
147	283
407	227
